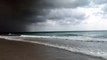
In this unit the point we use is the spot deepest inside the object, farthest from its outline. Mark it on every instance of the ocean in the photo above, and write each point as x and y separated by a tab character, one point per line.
93	43
102	33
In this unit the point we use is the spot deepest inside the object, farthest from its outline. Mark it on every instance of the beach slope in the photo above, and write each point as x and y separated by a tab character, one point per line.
16	50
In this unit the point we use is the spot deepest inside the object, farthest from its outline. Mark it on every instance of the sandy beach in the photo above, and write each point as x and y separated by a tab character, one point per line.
16	50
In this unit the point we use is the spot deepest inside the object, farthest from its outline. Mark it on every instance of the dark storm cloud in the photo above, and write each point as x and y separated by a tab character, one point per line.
13	14
60	3
43	8
16	15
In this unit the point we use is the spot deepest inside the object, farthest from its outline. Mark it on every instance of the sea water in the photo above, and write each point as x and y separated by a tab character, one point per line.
102	34
92	43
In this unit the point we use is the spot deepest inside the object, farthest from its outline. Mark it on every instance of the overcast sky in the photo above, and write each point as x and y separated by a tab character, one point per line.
60	15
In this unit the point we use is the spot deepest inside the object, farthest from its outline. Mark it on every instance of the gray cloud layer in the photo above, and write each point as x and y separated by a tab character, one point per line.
17	15
100	1
62	15
59	3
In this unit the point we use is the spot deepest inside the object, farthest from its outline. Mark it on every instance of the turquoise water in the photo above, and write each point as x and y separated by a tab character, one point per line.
102	34
94	34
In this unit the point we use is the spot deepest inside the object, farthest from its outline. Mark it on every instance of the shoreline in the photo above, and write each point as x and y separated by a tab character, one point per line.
17	50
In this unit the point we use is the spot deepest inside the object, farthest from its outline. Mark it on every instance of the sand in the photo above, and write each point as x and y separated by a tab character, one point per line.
15	50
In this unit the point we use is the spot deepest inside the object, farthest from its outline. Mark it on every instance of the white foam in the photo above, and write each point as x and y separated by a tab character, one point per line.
77	38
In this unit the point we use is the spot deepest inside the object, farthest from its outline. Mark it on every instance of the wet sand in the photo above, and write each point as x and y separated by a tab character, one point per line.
15	50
